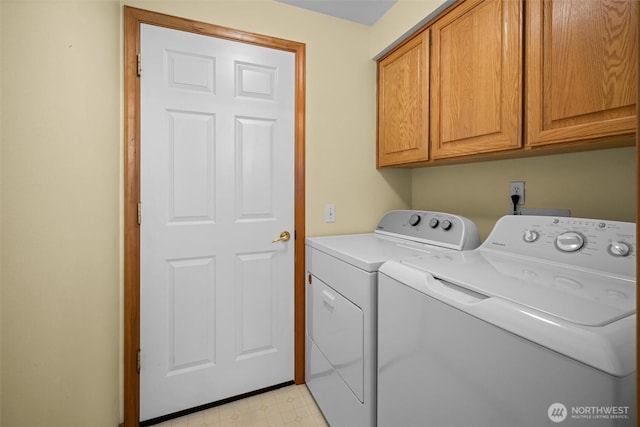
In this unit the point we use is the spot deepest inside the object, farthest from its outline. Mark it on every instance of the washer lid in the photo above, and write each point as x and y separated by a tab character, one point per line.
576	296
368	251
609	348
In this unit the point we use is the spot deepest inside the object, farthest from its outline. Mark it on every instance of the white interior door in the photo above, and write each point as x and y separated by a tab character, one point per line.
217	186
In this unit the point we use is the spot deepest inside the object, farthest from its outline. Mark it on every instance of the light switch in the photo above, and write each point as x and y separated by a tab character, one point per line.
330	213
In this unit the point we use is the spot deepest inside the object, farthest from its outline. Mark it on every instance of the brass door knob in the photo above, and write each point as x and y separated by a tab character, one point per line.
284	237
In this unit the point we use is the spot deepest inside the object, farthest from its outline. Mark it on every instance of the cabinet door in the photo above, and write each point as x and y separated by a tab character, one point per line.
403	96
476	79
582	69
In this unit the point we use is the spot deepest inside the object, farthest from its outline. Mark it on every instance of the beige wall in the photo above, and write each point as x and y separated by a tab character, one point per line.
60	167
594	184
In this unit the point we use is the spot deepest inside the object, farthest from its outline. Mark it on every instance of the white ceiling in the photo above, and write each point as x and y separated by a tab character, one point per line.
365	12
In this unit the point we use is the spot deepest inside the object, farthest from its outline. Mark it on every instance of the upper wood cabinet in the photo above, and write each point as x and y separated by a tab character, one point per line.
403	103
581	69
476	79
579	59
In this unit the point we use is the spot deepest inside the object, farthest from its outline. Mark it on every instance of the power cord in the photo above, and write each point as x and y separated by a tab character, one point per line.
515	198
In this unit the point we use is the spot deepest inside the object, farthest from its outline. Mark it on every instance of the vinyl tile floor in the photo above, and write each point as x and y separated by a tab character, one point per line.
290	406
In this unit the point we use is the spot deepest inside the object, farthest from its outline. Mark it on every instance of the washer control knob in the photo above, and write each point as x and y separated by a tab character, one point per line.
620	249
569	241
530	236
434	223
446	224
414	220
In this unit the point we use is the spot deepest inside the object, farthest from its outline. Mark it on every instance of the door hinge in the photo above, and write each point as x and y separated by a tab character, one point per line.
138	363
139	213
139	65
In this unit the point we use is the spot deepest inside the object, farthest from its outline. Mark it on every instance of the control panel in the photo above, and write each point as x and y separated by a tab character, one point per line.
606	246
435	228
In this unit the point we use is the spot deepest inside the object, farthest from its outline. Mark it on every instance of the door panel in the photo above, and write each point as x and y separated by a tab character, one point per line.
217	186
255	169
192	345
255	320
191	192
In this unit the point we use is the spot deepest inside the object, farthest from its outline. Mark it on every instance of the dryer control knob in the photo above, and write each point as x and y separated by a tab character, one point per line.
414	219
434	223
530	236
446	224
569	241
619	249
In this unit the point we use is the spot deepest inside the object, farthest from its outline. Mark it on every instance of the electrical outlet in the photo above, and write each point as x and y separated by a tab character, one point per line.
330	213
517	187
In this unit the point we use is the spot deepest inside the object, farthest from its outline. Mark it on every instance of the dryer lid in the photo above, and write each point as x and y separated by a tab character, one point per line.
580	297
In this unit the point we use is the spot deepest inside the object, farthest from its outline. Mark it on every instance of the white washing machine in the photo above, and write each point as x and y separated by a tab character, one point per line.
536	327
341	300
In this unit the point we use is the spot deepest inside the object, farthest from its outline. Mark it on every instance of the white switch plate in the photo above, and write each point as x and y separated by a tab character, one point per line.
330	213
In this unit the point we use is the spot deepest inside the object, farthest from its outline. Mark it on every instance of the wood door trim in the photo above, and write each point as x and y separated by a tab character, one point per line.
133	17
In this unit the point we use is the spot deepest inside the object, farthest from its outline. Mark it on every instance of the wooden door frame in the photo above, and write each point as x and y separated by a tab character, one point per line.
133	17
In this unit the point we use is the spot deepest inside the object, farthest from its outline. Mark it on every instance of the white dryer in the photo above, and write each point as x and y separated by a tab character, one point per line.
341	304
533	328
